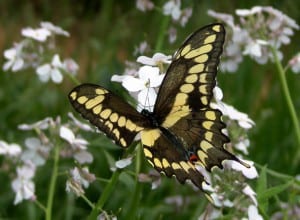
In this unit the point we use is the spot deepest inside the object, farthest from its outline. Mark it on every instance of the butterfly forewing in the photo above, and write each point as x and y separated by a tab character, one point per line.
190	78
108	112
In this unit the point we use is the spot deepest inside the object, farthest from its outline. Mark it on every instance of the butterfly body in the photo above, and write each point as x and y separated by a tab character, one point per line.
183	131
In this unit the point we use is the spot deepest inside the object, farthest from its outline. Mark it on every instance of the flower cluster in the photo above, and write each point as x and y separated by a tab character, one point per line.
38	149
144	81
35	50
170	8
261	40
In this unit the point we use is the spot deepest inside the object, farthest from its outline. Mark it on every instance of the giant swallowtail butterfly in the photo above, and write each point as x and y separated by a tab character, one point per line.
183	131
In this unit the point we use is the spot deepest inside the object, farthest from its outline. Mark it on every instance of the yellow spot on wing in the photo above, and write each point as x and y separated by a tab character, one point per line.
186	88
185	166
216	28
116	132
177	112
175	166
130	125
82	99
205	145
73	95
197	68
211	115
95	101
101	91
191	78
180	99
202	156
208	135
97	109
165	163
196	52
203	89
157	163
123	142
122	121
113	117
148	137
201	59
210	39
186	49
204	100
109	125
202	78
148	153
105	113
207	124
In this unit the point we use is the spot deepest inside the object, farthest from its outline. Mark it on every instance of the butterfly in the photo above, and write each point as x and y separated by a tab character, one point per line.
183	135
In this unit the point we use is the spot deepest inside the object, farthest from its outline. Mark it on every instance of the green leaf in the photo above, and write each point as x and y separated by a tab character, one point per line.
273	191
261	187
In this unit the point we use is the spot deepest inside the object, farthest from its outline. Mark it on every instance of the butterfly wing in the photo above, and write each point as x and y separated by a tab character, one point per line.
108	112
190	130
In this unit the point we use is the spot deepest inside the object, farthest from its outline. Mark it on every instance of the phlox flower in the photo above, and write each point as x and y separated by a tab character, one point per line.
172	8
156	60
14	58
12	150
23	185
53	70
78	145
39	34
144	5
53	28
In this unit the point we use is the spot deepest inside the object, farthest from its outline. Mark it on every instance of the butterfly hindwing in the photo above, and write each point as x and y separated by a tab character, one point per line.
108	112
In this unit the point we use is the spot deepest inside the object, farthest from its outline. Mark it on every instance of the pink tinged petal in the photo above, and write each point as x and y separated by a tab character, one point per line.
133	84
56	76
253	213
66	134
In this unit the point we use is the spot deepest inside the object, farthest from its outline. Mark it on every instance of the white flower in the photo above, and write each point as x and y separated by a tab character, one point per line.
78	145
79	124
172	32
172	7
39	34
249	192
14	57
249	173
141	48
226	18
47	71
247	12
54	29
68	135
253	213
36	152
23	185
243	119
156	59
80	177
149	78
254	48
242	145
12	150
123	163
43	124
144	5
185	15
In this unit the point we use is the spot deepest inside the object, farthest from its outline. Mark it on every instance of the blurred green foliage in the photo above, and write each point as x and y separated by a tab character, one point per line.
103	37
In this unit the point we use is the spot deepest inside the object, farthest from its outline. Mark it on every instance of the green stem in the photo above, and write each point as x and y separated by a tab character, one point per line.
289	101
73	78
105	195
162	32
52	184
